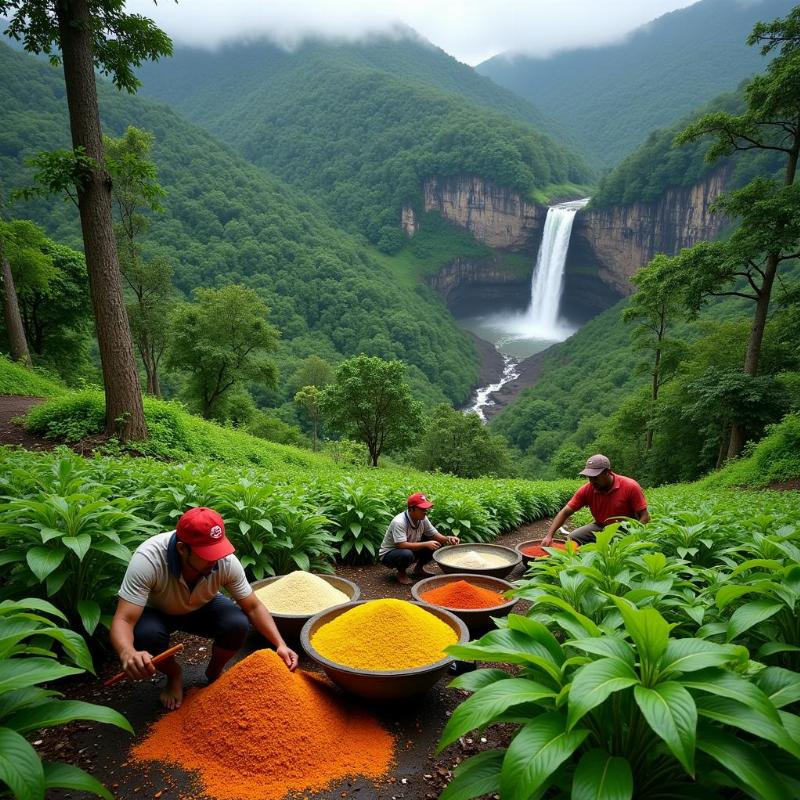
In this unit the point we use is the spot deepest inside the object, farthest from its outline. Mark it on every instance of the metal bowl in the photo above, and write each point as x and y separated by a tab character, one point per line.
526	559
513	557
290	625
372	684
478	620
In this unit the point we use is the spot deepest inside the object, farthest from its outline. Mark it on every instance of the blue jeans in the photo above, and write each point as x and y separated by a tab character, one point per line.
400	558
220	619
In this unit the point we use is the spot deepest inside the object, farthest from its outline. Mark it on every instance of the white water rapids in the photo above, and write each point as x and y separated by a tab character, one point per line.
540	325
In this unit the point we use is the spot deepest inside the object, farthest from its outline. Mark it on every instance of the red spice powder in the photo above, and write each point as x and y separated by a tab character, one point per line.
260	732
463	594
540	552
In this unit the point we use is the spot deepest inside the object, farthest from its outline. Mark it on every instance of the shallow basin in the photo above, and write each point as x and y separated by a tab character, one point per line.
526	559
478	620
290	625
512	556
372	684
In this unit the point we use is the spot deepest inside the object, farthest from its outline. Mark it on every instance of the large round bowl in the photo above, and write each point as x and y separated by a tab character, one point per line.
290	625
372	684
526	559
512	556
478	620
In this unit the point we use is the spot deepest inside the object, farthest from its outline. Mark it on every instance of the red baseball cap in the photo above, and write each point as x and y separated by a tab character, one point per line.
204	531
419	500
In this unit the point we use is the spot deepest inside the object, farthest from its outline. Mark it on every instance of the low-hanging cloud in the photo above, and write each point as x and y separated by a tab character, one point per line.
470	30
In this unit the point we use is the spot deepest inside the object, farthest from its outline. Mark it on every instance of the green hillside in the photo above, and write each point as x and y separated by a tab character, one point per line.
360	128
609	98
225	222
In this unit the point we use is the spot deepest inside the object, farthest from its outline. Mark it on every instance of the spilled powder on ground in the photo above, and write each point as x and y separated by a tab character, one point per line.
300	593
384	635
463	594
260	732
472	559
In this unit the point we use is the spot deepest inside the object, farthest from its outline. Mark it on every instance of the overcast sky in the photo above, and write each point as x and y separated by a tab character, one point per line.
470	30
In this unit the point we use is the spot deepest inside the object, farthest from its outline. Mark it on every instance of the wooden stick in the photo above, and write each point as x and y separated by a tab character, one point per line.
120	676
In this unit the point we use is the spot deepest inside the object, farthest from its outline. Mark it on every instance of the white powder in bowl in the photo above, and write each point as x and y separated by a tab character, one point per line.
472	559
300	593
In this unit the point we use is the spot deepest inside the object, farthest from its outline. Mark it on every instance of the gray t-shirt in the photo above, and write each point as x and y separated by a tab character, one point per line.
401	529
153	578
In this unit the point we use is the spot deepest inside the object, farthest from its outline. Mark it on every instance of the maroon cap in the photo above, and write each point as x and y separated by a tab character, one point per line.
204	531
595	465
419	500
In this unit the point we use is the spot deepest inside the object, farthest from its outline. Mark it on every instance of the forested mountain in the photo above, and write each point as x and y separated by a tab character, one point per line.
610	98
226	221
360	127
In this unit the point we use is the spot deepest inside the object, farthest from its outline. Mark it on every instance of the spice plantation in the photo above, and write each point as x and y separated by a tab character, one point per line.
300	593
261	732
463	594
384	636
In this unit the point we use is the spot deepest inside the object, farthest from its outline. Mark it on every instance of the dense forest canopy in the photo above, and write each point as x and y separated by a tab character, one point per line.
361	132
226	222
662	71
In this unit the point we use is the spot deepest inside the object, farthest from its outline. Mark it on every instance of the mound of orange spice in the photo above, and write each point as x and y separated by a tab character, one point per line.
463	594
260	732
540	552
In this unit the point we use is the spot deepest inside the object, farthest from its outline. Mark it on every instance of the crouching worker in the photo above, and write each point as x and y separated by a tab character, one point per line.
411	539
172	584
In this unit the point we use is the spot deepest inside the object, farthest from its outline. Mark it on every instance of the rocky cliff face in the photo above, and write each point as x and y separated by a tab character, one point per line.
485	279
496	216
626	237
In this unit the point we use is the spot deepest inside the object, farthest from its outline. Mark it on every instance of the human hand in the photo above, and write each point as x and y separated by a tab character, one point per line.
288	656
453	540
548	540
432	545
137	664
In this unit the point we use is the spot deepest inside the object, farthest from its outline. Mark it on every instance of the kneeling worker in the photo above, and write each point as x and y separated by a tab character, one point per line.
411	539
172	584
610	498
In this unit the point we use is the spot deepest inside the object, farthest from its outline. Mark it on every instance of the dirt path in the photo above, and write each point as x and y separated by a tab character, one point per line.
12	433
416	723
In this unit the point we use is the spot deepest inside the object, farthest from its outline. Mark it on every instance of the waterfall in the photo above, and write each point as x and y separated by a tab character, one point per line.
548	276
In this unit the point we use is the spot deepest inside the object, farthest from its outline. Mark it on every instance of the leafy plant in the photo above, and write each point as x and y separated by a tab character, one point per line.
27	634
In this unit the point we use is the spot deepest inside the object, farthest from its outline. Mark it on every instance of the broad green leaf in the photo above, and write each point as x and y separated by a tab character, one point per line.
609	646
600	776
670	711
771	648
477	679
43	560
476	776
750	614
690	655
89	612
737	715
79	544
482	708
19	673
782	686
648	629
11	557
537	632
744	761
10	702
114	549
585	622
65	776
20	767
593	683
30	604
535	754
59	712
727	594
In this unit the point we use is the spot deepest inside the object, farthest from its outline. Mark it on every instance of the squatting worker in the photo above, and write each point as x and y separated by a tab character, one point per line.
610	498
172	584
411	539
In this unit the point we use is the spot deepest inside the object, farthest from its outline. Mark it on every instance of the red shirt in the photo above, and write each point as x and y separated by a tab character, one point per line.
624	499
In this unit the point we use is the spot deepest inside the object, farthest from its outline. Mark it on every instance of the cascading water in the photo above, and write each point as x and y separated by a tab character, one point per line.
520	335
547	282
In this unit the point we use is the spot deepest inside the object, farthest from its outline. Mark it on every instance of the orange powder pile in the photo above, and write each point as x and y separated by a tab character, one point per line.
260	732
540	552
462	594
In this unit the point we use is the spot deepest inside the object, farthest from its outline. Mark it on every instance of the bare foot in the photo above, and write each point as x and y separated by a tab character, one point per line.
172	696
404	579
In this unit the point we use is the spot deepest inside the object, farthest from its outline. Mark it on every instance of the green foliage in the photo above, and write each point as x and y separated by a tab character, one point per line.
370	401
461	445
19	380
221	341
27	660
634	674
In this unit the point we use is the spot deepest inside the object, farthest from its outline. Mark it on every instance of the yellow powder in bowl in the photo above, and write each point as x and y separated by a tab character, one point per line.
384	635
473	559
300	593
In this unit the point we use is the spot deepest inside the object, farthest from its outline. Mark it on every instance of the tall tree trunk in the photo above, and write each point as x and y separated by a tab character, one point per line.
124	412
16	330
